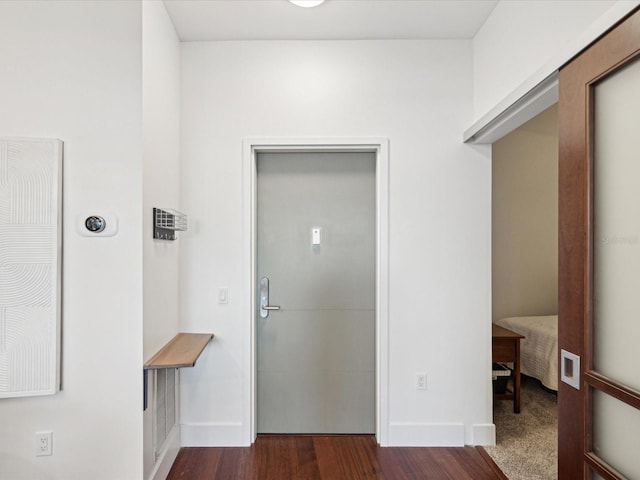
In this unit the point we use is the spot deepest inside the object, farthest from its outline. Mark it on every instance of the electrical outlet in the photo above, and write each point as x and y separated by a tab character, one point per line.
44	444
421	381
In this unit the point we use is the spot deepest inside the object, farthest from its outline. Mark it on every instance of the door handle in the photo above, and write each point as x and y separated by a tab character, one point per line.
264	298
570	369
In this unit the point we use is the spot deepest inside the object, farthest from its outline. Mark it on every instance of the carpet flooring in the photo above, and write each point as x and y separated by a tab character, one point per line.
527	443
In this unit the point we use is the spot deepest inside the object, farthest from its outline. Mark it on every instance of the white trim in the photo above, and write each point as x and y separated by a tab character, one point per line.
167	455
426	434
483	434
535	101
251	146
212	434
512	112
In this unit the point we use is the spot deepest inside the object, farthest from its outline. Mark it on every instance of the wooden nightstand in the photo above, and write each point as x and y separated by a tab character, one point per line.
505	347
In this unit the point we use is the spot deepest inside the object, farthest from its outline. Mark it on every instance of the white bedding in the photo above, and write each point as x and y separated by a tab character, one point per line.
539	348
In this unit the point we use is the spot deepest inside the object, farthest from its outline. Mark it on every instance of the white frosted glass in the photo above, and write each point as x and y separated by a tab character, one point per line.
616	308
615	434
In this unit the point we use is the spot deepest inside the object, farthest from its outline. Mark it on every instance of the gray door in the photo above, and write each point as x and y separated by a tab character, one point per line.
316	246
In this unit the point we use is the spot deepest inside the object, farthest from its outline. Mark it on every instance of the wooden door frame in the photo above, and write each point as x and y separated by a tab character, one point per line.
251	148
575	249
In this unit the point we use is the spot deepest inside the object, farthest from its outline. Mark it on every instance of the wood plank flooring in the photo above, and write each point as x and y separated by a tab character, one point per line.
349	457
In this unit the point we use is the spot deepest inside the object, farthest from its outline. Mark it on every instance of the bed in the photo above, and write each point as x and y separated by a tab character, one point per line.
539	348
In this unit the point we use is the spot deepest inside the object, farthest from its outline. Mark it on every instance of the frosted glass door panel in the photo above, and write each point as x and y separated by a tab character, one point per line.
616	299
615	434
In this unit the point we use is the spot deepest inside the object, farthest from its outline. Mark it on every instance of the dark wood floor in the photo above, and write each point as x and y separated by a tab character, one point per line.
352	457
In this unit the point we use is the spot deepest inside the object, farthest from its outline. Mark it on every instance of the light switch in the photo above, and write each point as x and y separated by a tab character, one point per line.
223	295
315	235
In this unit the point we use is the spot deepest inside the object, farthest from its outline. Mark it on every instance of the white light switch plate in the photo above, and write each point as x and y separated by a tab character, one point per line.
223	295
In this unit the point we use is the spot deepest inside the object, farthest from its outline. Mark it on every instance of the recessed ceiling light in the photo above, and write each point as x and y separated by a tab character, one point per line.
307	3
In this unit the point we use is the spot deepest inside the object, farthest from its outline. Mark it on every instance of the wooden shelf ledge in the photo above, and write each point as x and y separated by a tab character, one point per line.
182	351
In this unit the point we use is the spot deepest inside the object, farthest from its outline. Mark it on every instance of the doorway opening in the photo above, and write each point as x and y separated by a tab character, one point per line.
252	149
525	293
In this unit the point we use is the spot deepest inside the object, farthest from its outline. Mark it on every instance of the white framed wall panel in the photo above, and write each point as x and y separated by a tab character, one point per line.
30	266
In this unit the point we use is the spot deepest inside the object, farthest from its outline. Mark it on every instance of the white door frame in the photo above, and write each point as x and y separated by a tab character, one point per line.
253	146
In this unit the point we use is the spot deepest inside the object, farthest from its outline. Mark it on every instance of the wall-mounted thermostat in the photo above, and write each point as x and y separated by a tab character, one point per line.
97	224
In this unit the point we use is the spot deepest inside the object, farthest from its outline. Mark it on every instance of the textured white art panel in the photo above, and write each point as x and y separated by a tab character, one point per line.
30	254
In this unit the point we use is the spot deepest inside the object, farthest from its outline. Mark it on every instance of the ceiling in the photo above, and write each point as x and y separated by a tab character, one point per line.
205	20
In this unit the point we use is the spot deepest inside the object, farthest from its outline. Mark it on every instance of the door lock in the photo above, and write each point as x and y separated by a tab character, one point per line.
264	298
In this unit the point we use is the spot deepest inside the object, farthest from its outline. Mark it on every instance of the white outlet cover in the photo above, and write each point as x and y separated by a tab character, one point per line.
44	444
421	381
110	230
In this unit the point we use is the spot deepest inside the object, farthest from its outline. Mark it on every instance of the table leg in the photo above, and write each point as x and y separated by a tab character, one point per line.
516	379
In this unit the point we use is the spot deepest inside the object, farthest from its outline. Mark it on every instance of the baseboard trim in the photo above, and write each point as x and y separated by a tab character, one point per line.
483	434
212	435
400	435
426	435
167	456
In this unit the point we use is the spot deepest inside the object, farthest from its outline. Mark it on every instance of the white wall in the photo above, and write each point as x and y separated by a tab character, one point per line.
524	41
417	94
72	70
161	180
525	219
